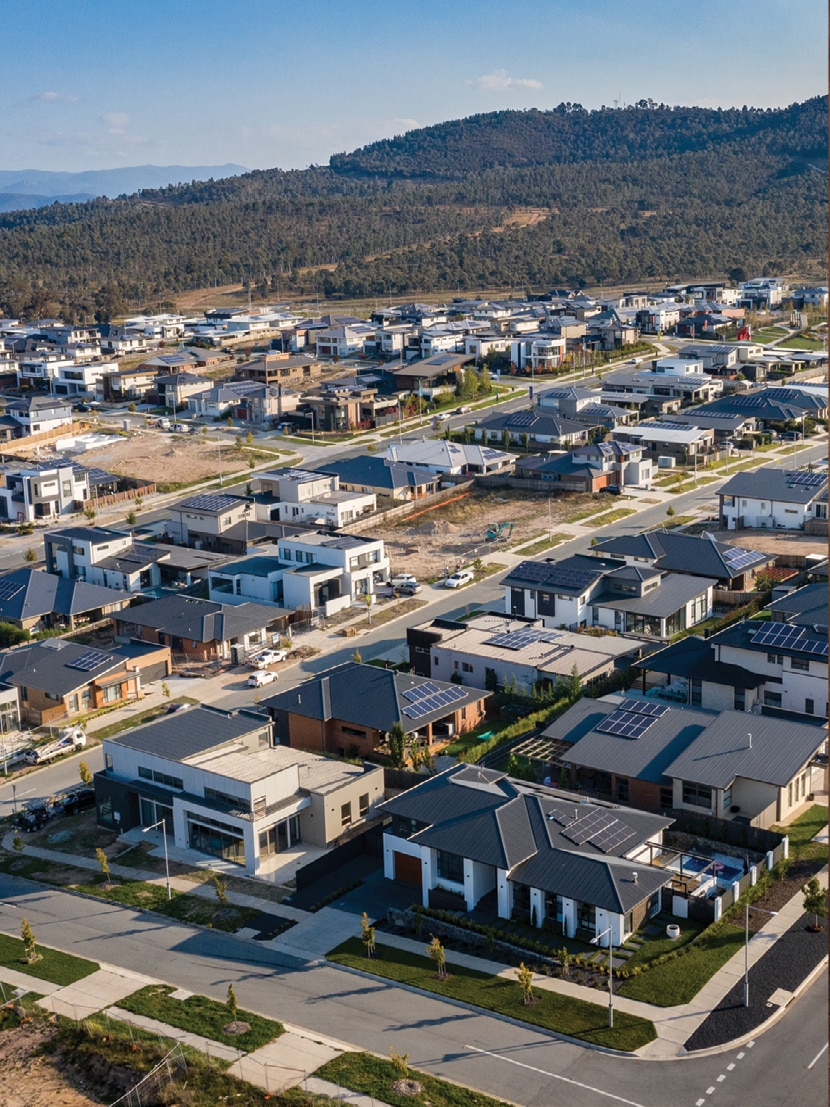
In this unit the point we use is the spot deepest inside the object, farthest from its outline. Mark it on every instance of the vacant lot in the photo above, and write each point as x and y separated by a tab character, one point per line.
163	457
432	539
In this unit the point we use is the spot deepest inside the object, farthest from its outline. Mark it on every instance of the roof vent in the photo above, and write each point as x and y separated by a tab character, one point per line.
634	877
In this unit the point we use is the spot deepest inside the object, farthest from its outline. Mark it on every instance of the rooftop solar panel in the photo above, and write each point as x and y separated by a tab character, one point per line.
521	419
90	660
9	588
419	691
628	724
518	639
810	480
644	707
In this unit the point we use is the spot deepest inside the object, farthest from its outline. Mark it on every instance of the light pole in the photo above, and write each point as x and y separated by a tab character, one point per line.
310	415
163	824
595	942
746	946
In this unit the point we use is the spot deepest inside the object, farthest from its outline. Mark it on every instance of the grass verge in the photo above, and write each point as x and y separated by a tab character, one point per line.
200	1015
801	832
559	1013
372	1076
54	966
679	980
542	544
181	906
612	516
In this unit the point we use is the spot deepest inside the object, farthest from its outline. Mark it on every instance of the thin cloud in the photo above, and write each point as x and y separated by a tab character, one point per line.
500	80
116	121
49	97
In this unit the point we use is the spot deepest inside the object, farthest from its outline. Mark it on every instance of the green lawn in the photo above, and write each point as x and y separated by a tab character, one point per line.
181	906
542	544
652	948
679	980
800	342
562	1014
802	830
612	516
374	1077
54	966
200	1015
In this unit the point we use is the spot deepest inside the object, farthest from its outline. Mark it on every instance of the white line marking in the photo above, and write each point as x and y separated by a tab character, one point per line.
750	1044
700	1103
556	1076
818	1055
710	1089
721	1078
730	1066
741	1055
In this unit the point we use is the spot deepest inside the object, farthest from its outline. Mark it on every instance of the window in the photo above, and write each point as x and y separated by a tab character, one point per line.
621	789
363	805
697	692
114	693
739	700
772	699
800	664
775	658
809	707
159	778
72	703
666	798
345	814
228	800
466	667
697	795
450	867
108	762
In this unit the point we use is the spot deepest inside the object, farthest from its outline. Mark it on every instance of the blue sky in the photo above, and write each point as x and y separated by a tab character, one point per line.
94	85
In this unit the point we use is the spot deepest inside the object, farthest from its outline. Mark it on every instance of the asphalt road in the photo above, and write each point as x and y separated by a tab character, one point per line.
496	1056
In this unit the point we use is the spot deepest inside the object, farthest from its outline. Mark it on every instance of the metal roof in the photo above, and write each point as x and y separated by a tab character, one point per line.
190	732
780	485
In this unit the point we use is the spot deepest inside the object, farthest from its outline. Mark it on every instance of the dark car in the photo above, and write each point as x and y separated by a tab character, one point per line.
174	707
81	407
611	489
79	800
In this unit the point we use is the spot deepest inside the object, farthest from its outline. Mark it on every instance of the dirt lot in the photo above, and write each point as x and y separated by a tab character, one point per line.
453	531
28	1079
774	541
163	457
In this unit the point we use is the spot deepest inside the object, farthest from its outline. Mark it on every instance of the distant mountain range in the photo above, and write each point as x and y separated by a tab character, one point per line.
35	188
529	200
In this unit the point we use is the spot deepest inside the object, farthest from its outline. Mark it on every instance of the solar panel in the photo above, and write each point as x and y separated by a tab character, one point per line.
777	634
210	503
612	837
90	660
811	480
532	570
586	827
571	578
439	700
737	558
521	419
518	639
628	724
419	691
9	588
644	707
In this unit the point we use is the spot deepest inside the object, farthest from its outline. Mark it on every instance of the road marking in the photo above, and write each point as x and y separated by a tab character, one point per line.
741	1055
818	1055
710	1089
721	1078
556	1076
730	1066
750	1044
700	1103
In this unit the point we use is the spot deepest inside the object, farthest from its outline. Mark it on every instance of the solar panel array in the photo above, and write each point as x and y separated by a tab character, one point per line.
487	453
628	724
210	503
810	480
521	419
788	636
598	827
428	697
644	707
571	578
518	639
90	660
532	570
738	558
9	588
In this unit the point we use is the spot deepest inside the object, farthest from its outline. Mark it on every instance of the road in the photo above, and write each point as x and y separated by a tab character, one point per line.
505	1060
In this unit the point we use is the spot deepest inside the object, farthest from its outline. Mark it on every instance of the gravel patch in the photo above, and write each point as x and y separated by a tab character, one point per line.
790	961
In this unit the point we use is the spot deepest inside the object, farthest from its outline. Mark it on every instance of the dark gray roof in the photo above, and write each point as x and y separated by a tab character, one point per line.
571	574
367	695
377	472
30	593
201	620
187	733
805	606
811	643
534	422
48	666
695	657
701	555
776	751
644	758
673	591
210	503
500	836
475	790
780	485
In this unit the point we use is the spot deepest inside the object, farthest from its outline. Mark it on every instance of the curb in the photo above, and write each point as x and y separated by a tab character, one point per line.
555	1034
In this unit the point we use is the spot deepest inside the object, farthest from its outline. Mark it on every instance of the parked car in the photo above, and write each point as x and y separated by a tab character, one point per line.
174	707
260	678
408	588
268	657
611	489
402	578
465	409
460	578
81	799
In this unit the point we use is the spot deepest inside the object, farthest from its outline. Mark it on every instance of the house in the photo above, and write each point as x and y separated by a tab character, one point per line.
57	679
200	629
34	600
113	559
472	833
173	390
491	650
664	439
535	427
123	385
590	468
343	340
43	491
537	353
662	758
204	521
763	293
305	497
451	458
439	371
225	791
344	406
732	567
329	572
758	665
371	474
40	414
81	378
772	407
605	592
351	708
224	398
281	369
784	499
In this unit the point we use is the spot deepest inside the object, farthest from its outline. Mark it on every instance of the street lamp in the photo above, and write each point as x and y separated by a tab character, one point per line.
595	942
310	415
746	946
163	824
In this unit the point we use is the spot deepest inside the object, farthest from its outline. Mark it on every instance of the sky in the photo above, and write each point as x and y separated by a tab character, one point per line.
89	84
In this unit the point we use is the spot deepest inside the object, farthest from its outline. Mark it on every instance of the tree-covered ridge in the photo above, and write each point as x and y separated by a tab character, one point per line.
666	198
571	134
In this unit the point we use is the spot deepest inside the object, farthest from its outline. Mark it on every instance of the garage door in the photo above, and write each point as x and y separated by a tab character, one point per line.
408	869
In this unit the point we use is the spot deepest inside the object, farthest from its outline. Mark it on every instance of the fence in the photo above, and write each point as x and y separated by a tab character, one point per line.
377	519
146	488
371	842
173	1066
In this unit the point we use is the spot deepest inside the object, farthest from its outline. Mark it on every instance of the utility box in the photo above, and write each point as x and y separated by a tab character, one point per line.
665	463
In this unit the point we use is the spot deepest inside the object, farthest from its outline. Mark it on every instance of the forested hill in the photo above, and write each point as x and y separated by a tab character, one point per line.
511	199
569	133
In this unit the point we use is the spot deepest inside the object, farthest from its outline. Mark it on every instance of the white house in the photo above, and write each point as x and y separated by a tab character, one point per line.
780	499
43	492
329	572
443	456
302	496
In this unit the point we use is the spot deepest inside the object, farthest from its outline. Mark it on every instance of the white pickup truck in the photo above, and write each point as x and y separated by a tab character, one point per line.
69	739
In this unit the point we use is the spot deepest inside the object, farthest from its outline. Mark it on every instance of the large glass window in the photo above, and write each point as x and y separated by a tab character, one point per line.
697	795
450	867
216	839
